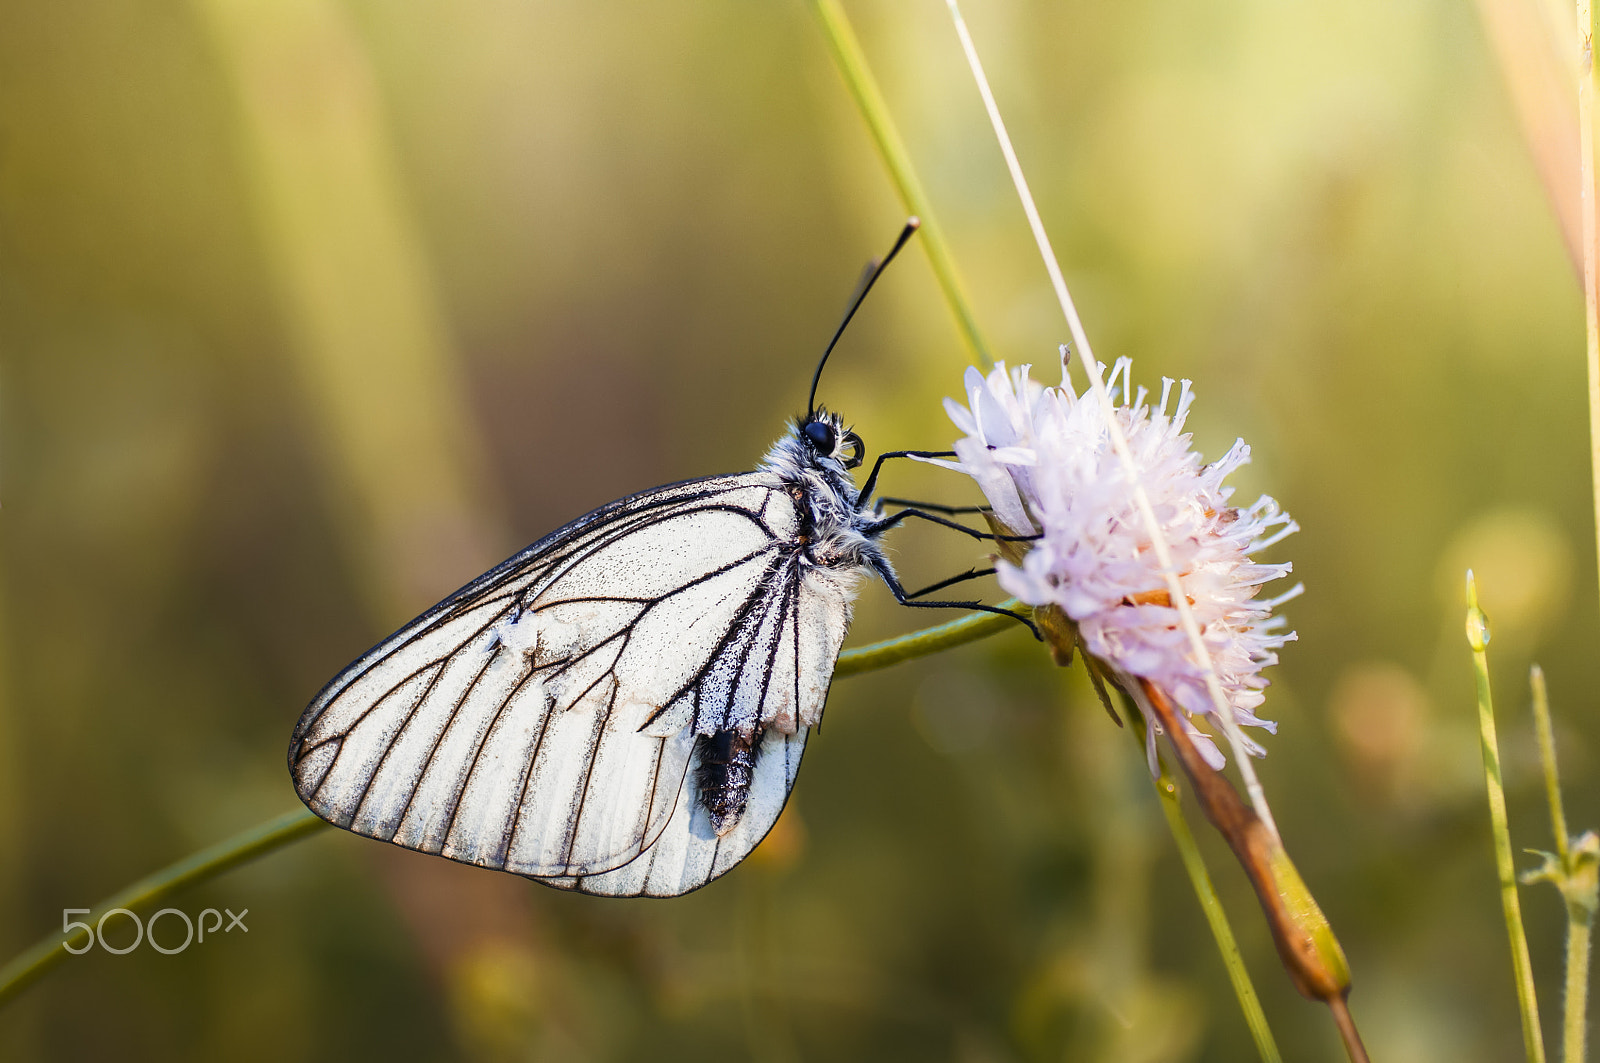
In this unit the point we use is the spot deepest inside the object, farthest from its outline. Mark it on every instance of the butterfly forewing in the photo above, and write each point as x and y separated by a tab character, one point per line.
541	719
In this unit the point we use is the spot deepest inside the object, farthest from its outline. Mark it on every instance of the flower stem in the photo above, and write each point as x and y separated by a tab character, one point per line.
1574	1036
1206	894
967	629
1200	881
1310	952
290	827
852	63
1547	754
1572	870
1527	1000
1346	1024
191	870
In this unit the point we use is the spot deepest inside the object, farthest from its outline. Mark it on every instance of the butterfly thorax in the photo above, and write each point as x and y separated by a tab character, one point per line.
834	522
835	539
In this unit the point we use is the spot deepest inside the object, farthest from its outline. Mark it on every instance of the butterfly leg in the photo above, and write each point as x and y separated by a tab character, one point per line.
934	506
881	566
896	518
972	573
877	466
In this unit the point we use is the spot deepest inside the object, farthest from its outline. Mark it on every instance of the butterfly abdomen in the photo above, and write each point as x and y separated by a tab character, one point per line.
727	766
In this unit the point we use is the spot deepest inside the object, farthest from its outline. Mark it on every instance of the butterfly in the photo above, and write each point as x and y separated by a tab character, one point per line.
620	708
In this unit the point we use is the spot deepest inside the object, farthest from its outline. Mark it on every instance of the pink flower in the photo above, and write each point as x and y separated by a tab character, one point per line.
1043	458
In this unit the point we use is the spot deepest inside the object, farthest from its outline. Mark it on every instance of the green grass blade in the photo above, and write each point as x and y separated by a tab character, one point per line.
1527	999
1206	894
29	966
852	64
1194	865
969	628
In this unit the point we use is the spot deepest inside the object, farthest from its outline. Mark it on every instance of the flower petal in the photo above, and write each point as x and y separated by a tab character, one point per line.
1043	458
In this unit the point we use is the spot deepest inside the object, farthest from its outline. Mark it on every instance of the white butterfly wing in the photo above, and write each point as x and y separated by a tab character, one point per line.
689	854
782	676
536	721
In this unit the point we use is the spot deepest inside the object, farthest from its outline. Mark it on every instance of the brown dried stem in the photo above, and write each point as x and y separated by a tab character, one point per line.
1305	942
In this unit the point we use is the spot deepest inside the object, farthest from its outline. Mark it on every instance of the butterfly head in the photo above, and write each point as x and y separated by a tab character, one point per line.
816	455
824	435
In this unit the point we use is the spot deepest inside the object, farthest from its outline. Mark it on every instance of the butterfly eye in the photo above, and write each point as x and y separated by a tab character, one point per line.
821	436
858	450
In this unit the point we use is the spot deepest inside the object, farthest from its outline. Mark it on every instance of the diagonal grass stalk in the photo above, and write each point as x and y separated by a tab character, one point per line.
852	64
29	966
203	866
1227	946
1527	999
1200	881
946	636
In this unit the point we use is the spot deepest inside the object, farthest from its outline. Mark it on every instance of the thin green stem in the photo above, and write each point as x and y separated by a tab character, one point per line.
1527	1000
852	63
150	890
1547	754
1575	1025
290	827
1200	881
1206	894
970	628
1571	869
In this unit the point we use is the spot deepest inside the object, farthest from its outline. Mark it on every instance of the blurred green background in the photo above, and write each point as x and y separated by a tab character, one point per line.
310	310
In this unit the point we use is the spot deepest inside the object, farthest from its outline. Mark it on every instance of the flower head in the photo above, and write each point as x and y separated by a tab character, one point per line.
1044	459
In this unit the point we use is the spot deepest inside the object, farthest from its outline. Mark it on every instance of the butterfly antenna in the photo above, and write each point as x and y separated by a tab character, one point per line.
873	271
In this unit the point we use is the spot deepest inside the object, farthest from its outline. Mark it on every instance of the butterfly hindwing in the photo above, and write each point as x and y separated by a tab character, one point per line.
526	723
777	666
689	853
